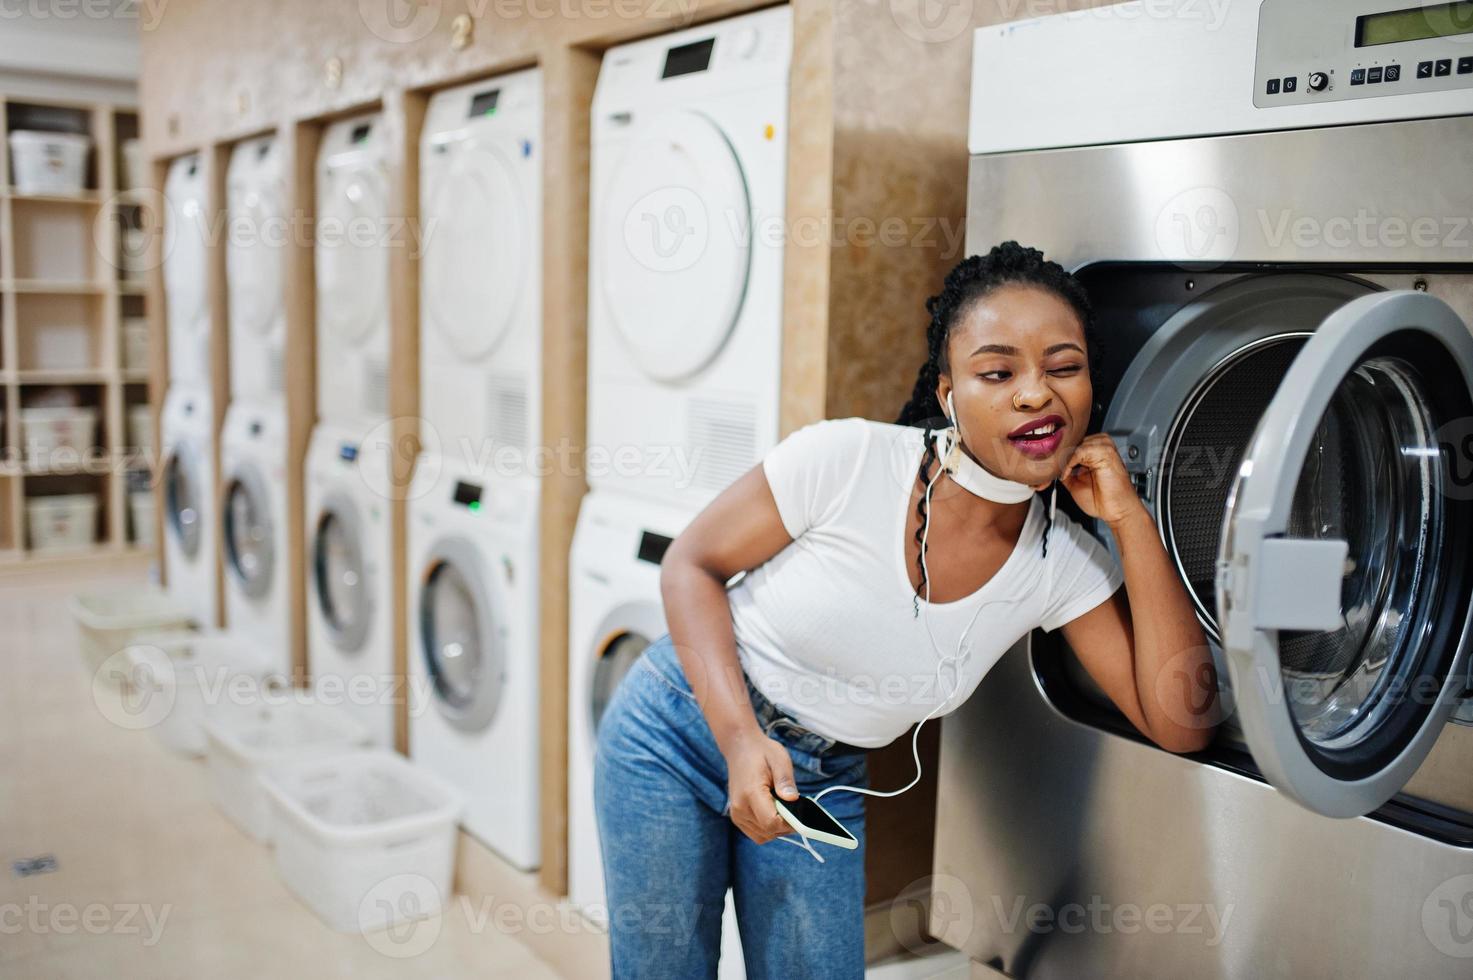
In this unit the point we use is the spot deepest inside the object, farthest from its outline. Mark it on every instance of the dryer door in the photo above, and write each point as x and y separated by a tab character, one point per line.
676	244
339	575
250	541
352	236
185	236
462	635
1343	584
182	487
620	639
476	247
253	257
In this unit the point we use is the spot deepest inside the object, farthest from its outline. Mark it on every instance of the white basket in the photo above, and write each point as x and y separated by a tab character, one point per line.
140	512
47	430
135	343
140	428
109	621
63	522
132	173
192	675
61	346
49	163
366	839
247	741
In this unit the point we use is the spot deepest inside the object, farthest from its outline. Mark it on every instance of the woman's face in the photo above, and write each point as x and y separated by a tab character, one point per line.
1017	362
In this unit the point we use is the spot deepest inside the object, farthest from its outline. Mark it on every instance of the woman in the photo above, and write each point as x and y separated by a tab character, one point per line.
871	552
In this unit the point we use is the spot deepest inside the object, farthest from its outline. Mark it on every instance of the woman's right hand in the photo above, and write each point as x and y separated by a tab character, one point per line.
755	765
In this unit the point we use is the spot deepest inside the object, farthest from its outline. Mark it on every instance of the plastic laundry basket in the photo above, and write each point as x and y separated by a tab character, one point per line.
49	163
366	839
247	741
109	621
195	675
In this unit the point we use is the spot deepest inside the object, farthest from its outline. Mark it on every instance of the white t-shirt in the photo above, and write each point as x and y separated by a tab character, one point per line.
826	629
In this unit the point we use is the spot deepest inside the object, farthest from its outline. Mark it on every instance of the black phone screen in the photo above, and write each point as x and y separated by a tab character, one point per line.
812	816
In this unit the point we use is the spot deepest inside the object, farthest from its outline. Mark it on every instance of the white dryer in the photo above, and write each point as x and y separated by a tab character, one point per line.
352	237
689	158
481	274
616	612
188	465
186	296
350	646
473	648
253	528
255	204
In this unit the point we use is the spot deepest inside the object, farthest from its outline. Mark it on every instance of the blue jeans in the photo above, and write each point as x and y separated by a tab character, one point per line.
670	850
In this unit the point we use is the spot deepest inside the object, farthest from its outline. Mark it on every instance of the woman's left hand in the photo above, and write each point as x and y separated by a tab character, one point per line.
1095	477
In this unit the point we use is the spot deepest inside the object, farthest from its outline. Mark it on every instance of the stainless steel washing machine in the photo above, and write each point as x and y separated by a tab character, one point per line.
1280	251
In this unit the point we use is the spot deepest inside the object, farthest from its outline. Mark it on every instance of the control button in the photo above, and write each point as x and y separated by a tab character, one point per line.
1273	86
1358	77
1318	81
1465	66
1424	69
1444	67
1393	73
1374	75
1291	83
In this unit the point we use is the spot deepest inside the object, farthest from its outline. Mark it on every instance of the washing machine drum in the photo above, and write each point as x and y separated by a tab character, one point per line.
183	487
476	248
676	244
621	638
250	541
340	576
351	256
461	635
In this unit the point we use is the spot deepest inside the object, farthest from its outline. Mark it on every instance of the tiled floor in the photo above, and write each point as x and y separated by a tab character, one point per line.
151	880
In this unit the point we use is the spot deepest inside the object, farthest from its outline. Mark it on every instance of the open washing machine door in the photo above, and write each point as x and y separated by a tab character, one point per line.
183	483
250	549
339	575
676	243
1343	588
462	635
619	640
476	248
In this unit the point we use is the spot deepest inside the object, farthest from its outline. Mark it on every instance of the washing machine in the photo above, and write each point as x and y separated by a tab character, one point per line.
349	545
255	204
688	177
481	274
1269	209
353	233
473	648
186	287
615	612
188	474
253	528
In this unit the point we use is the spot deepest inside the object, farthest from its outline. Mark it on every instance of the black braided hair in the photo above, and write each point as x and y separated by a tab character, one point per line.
973	278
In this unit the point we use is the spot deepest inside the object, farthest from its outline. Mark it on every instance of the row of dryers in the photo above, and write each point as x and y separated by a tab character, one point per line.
684	340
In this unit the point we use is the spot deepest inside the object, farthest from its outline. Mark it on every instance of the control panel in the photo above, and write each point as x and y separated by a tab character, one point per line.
1334	50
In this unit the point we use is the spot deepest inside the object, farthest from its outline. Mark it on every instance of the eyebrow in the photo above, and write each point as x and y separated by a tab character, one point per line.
1011	350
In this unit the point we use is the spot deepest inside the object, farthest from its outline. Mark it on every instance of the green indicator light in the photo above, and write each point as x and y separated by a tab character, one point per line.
474	505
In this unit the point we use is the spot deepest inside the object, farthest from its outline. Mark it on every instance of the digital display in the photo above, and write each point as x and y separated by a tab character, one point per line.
688	58
468	495
813	816
484	103
347	452
360	133
652	547
1414	24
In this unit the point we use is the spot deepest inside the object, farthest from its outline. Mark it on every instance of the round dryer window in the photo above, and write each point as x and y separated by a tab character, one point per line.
185	234
254	265
250	549
620	640
181	498
475	247
676	244
351	256
460	636
339	575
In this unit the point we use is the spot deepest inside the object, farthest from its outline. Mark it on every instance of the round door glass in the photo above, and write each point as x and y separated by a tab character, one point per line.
351	257
185	235
181	494
1373	479
254	262
452	633
248	542
615	660
341	591
475	252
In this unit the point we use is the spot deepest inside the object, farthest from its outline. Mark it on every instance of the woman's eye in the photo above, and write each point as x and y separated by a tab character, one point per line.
1066	369
995	375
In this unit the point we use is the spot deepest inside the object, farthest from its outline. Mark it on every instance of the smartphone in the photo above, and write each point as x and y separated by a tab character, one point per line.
808	818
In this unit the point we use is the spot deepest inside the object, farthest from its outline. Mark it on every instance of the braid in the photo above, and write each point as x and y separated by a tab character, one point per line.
920	536
972	279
